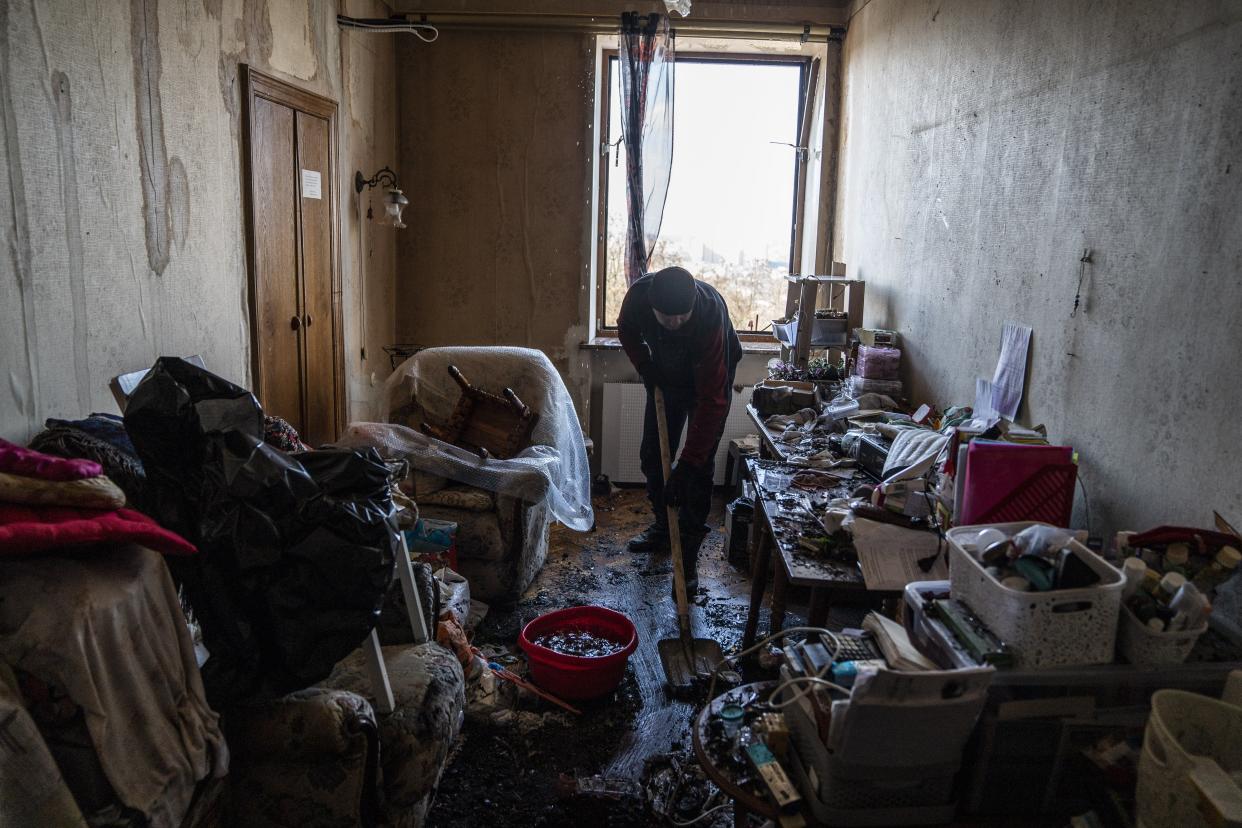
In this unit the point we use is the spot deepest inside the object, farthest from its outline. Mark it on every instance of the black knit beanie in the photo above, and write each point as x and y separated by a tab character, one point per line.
672	291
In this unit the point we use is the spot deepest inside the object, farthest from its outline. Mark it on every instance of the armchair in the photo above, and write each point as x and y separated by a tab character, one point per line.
502	506
325	756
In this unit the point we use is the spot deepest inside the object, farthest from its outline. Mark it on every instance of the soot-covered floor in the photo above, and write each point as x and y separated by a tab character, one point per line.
521	772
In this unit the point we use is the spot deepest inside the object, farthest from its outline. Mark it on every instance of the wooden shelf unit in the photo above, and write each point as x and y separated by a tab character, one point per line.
804	292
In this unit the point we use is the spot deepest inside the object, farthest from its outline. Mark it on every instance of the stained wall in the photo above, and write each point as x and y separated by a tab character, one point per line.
985	147
121	225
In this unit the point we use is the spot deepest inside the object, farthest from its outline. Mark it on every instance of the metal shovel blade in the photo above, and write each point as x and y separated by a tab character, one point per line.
686	660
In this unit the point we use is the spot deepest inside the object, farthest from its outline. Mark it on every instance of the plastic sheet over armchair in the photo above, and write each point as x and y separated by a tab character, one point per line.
503	507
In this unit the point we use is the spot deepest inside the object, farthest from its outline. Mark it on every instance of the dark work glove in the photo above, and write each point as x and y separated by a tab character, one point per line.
679	483
652	376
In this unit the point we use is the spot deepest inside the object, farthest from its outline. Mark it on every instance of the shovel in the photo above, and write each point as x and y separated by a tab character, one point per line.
685	658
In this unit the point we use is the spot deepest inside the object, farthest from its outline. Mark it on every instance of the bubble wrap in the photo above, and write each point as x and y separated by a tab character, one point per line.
552	470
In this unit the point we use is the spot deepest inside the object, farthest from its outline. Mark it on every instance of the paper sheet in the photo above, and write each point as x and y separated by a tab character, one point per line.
890	554
1010	377
983	403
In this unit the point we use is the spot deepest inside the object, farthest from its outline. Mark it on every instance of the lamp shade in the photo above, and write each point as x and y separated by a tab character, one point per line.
394	203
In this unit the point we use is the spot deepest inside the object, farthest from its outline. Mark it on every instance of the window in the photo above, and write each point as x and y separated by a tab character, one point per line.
731	208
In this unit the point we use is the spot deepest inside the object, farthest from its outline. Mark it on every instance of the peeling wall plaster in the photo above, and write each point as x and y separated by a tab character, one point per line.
121	222
985	146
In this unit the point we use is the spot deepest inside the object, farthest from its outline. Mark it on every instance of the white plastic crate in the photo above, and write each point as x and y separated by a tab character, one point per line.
1140	645
1044	629
895	759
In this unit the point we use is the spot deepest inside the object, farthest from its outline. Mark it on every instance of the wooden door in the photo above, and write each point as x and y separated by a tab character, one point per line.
294	268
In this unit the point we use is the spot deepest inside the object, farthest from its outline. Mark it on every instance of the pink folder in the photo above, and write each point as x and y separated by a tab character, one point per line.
1008	482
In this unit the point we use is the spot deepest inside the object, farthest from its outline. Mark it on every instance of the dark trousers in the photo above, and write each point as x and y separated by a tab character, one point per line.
692	514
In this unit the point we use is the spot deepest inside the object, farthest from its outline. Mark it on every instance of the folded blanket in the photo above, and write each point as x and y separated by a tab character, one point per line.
107	427
26	529
91	493
15	459
125	470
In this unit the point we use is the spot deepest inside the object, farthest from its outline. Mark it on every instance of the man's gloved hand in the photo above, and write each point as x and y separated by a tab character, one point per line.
652	376
679	484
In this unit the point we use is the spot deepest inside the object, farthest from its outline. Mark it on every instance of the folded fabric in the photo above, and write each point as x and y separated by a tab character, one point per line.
279	433
125	470
91	493
15	459
26	529
107	427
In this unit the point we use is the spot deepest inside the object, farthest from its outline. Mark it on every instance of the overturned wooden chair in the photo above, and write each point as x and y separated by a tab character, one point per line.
482	422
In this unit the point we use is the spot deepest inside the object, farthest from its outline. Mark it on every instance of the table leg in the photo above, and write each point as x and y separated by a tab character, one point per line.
780	587
817	614
758	582
741	816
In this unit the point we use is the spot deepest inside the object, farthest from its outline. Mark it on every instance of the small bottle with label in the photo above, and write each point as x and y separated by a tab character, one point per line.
1169	585
1133	569
1221	569
1176	558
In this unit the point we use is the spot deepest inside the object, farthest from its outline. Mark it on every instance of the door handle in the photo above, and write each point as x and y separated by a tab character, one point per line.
309	320
295	323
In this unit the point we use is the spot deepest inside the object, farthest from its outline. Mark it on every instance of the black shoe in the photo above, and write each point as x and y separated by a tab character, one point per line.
653	539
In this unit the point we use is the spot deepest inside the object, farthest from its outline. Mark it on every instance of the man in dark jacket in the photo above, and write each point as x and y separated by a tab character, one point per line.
676	330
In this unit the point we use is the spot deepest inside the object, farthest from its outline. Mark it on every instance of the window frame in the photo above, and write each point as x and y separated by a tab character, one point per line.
797	208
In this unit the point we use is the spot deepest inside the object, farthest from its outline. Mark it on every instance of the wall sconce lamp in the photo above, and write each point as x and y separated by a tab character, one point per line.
394	200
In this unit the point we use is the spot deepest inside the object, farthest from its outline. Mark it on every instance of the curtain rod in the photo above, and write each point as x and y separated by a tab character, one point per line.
598	24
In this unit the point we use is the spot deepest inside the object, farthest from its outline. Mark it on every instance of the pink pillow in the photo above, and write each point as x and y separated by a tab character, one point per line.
26	529
15	459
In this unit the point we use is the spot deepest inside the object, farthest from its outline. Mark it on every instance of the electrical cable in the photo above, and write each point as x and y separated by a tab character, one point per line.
382	25
701	816
832	636
810	681
1086	502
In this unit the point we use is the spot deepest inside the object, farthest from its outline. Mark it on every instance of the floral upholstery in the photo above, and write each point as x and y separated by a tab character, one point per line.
429	693
308	758
323	756
460	496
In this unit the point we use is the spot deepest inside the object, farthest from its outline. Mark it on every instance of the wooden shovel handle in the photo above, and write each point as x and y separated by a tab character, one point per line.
674	530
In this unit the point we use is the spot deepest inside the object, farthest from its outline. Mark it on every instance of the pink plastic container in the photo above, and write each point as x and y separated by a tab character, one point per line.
578	677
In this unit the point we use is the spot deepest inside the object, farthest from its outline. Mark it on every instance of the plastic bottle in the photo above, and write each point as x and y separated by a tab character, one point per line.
1191	607
1169	585
1219	570
1133	569
1121	543
1151	557
1151	581
1176	558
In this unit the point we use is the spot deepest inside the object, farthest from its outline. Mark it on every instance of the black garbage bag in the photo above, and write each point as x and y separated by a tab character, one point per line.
296	551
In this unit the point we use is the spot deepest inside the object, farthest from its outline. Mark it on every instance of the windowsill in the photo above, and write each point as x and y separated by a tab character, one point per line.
610	343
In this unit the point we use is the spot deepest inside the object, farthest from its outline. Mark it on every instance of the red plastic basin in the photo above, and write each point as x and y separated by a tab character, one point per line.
578	677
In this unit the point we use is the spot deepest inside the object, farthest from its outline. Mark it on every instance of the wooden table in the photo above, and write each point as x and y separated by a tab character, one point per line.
745	800
778	519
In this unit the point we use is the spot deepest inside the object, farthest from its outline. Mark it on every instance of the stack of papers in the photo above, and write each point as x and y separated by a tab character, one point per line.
894	642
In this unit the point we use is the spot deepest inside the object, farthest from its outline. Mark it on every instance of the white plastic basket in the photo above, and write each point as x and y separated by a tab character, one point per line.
1044	629
1140	645
1185	733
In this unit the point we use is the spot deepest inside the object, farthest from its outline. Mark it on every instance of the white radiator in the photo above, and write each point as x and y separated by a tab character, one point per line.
624	405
